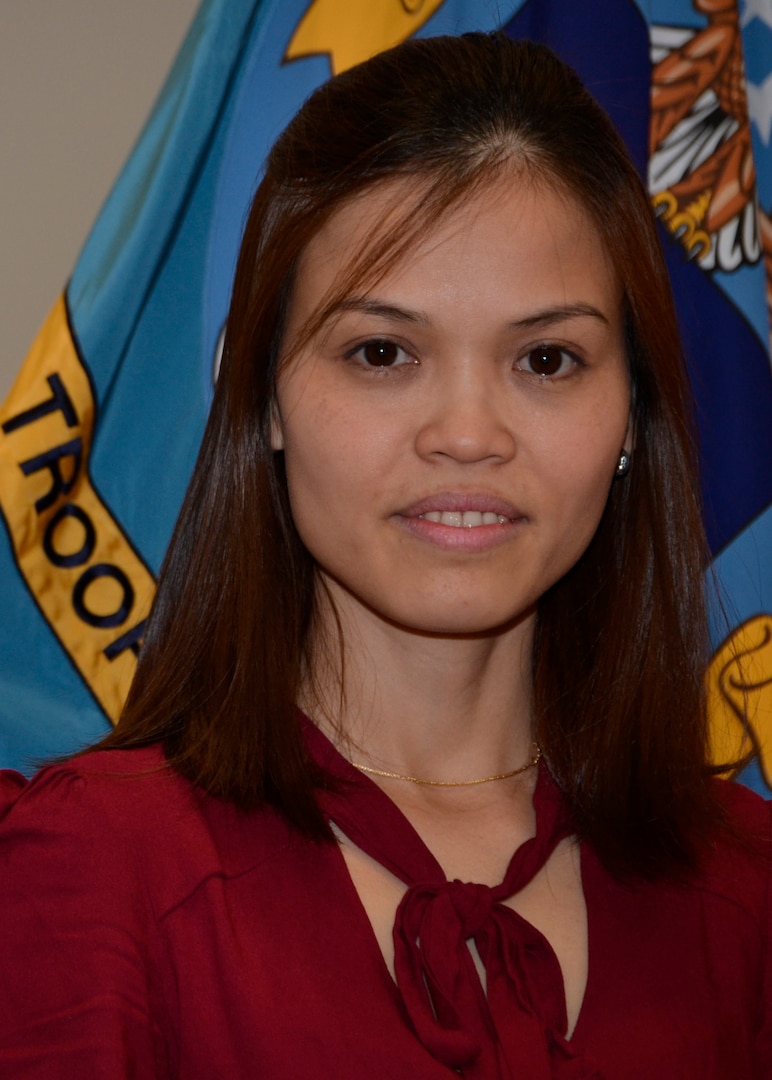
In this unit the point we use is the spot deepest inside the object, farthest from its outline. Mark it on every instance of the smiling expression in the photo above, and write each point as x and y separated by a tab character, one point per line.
451	431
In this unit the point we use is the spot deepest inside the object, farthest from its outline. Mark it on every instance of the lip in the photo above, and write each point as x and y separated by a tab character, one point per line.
478	539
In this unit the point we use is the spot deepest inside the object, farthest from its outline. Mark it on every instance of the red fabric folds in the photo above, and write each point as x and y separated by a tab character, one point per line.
511	1028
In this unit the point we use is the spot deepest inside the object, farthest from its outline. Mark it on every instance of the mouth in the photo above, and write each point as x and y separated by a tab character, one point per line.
464	519
469	522
463	510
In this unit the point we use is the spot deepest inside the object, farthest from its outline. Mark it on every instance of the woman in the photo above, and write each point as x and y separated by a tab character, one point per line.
445	507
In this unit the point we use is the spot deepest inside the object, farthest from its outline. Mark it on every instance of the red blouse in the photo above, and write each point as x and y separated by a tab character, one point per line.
148	931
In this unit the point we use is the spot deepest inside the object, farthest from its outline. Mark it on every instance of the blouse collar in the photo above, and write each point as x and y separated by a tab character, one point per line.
515	1026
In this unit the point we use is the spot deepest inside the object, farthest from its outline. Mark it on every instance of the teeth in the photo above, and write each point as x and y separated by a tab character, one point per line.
466	519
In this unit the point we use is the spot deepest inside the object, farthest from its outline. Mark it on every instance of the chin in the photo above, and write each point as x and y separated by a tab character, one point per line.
466	625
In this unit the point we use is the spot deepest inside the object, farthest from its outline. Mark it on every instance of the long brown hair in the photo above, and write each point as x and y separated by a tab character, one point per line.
621	640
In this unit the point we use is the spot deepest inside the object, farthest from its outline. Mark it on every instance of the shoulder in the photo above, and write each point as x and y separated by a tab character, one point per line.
737	863
744	807
125	818
90	793
748	817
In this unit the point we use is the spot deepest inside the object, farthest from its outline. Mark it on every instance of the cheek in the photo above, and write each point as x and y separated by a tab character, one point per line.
326	473
586	500
582	473
343	452
310	472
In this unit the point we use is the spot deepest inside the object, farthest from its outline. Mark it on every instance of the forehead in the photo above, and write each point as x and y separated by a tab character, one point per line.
515	230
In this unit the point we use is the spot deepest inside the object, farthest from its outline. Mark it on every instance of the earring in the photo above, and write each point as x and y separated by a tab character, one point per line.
623	465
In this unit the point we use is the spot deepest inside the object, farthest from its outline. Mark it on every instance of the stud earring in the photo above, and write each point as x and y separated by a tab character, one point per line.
623	465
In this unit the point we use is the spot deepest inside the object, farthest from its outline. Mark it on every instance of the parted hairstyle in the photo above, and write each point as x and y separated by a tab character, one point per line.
620	641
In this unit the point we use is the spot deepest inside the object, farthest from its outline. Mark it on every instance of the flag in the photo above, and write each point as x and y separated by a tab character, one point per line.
100	431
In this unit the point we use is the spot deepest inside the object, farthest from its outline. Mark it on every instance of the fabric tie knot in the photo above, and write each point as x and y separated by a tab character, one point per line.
488	1021
472	904
435	970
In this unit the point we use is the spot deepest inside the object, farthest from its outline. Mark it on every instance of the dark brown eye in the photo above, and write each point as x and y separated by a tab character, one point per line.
547	360
380	353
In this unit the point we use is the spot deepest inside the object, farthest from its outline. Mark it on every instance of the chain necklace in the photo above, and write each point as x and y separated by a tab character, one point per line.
452	783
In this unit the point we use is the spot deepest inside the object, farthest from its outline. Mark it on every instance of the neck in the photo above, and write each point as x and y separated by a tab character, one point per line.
443	707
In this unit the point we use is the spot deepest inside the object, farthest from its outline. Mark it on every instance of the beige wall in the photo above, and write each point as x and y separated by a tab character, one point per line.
77	79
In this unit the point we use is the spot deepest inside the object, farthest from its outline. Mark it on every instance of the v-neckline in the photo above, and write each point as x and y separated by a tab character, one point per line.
380	810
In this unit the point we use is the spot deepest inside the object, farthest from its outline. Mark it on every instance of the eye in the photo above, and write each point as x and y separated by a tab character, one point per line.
381	353
548	361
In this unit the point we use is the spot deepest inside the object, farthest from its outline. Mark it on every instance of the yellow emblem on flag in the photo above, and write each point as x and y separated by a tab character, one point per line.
351	33
740	695
90	584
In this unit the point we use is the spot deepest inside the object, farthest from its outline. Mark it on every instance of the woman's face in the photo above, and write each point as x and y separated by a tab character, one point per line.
451	432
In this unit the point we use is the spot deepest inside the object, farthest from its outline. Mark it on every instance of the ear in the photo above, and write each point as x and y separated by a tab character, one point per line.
277	429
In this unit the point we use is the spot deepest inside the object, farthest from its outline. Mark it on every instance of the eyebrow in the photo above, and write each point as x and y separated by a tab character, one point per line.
378	307
545	317
557	314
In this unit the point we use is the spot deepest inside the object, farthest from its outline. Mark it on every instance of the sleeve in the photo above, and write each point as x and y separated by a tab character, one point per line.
76	938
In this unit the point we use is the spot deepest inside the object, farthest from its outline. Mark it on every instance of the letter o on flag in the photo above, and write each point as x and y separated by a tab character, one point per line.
94	573
75	558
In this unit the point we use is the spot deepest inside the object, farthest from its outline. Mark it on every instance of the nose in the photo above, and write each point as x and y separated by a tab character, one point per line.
467	419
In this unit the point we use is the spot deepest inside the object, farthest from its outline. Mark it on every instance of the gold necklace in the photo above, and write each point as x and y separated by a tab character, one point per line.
452	783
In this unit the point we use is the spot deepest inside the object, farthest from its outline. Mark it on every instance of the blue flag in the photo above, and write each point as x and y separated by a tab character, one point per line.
100	431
